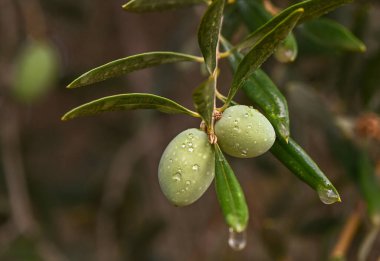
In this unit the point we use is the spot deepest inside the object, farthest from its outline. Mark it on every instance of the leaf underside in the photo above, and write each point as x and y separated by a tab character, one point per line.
208	33
129	64
204	100
158	5
130	101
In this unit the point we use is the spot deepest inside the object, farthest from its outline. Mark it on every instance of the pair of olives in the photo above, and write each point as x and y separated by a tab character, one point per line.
187	166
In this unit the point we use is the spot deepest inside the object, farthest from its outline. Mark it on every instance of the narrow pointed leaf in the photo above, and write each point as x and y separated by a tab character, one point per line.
208	33
130	101
331	34
230	195
312	9
255	15
261	90
300	163
129	64
261	51
204	100
158	5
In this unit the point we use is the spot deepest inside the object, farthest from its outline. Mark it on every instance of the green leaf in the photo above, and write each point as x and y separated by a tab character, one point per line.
255	15
158	5
204	100
130	101
129	64
261	90
297	161
329	33
312	9
230	195
208	33
261	51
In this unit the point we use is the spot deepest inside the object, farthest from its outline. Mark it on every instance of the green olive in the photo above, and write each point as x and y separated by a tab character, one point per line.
187	167
244	132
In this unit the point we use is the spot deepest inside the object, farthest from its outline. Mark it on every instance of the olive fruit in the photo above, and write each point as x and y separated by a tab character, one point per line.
187	167
243	132
36	70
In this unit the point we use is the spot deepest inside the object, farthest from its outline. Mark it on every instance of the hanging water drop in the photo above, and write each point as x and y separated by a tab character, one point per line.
237	240
328	196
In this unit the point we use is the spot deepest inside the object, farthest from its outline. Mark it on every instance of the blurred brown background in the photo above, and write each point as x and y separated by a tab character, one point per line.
87	189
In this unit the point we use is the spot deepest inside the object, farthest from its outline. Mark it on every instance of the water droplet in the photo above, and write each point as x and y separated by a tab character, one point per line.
249	126
183	145
190	144
187	188
195	167
246	115
182	190
188	182
237	240
170	160
328	196
236	128
190	149
177	177
236	121
208	173
229	116
204	157
244	152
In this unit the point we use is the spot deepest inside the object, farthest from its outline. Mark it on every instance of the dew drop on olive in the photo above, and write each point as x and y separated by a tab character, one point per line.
244	132
187	167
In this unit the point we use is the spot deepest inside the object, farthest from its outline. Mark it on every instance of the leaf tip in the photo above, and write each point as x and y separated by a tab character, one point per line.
362	47
299	10
126	5
71	85
64	117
